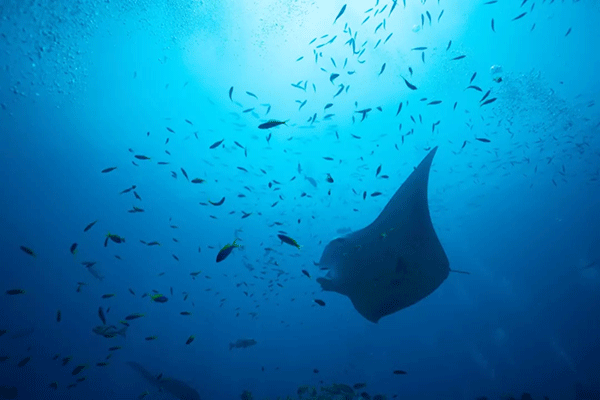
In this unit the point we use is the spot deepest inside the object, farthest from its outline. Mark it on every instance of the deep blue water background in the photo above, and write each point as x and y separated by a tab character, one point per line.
83	82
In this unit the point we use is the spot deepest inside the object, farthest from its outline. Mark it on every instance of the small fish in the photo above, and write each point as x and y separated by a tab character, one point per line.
127	190
190	339
131	317
216	144
108	295
102	364
218	203
66	360
329	178
142	157
231	93
382	69
409	85
458	58
13	292
101	315
419	48
449	44
114	348
320	302
78	369
271	124
519	16
484	140
485	96
399	372
73	248
58	316
305	272
159	298
106	170
288	240
198	180
340	13
170	130
332	77
399	109
493	29
185	313
53	385
27	250
23	362
488	101
151	338
226	251
89	226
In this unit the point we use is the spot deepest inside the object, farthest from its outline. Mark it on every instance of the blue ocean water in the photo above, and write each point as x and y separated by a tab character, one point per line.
514	193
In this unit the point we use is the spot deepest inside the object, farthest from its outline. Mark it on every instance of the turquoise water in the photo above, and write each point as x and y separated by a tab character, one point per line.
513	193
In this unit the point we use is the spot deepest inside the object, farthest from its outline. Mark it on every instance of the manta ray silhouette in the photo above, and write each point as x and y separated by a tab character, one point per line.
395	261
175	387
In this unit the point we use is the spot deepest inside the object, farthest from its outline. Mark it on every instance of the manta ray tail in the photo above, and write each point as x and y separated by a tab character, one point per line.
460	272
142	371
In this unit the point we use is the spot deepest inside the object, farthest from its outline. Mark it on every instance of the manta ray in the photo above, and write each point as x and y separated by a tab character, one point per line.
177	388
395	261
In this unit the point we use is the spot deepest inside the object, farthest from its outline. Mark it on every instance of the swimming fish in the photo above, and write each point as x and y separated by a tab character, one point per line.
218	203
340	13
288	240
226	251
109	331
159	298
271	124
216	144
89	226
409	85
242	343
27	250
